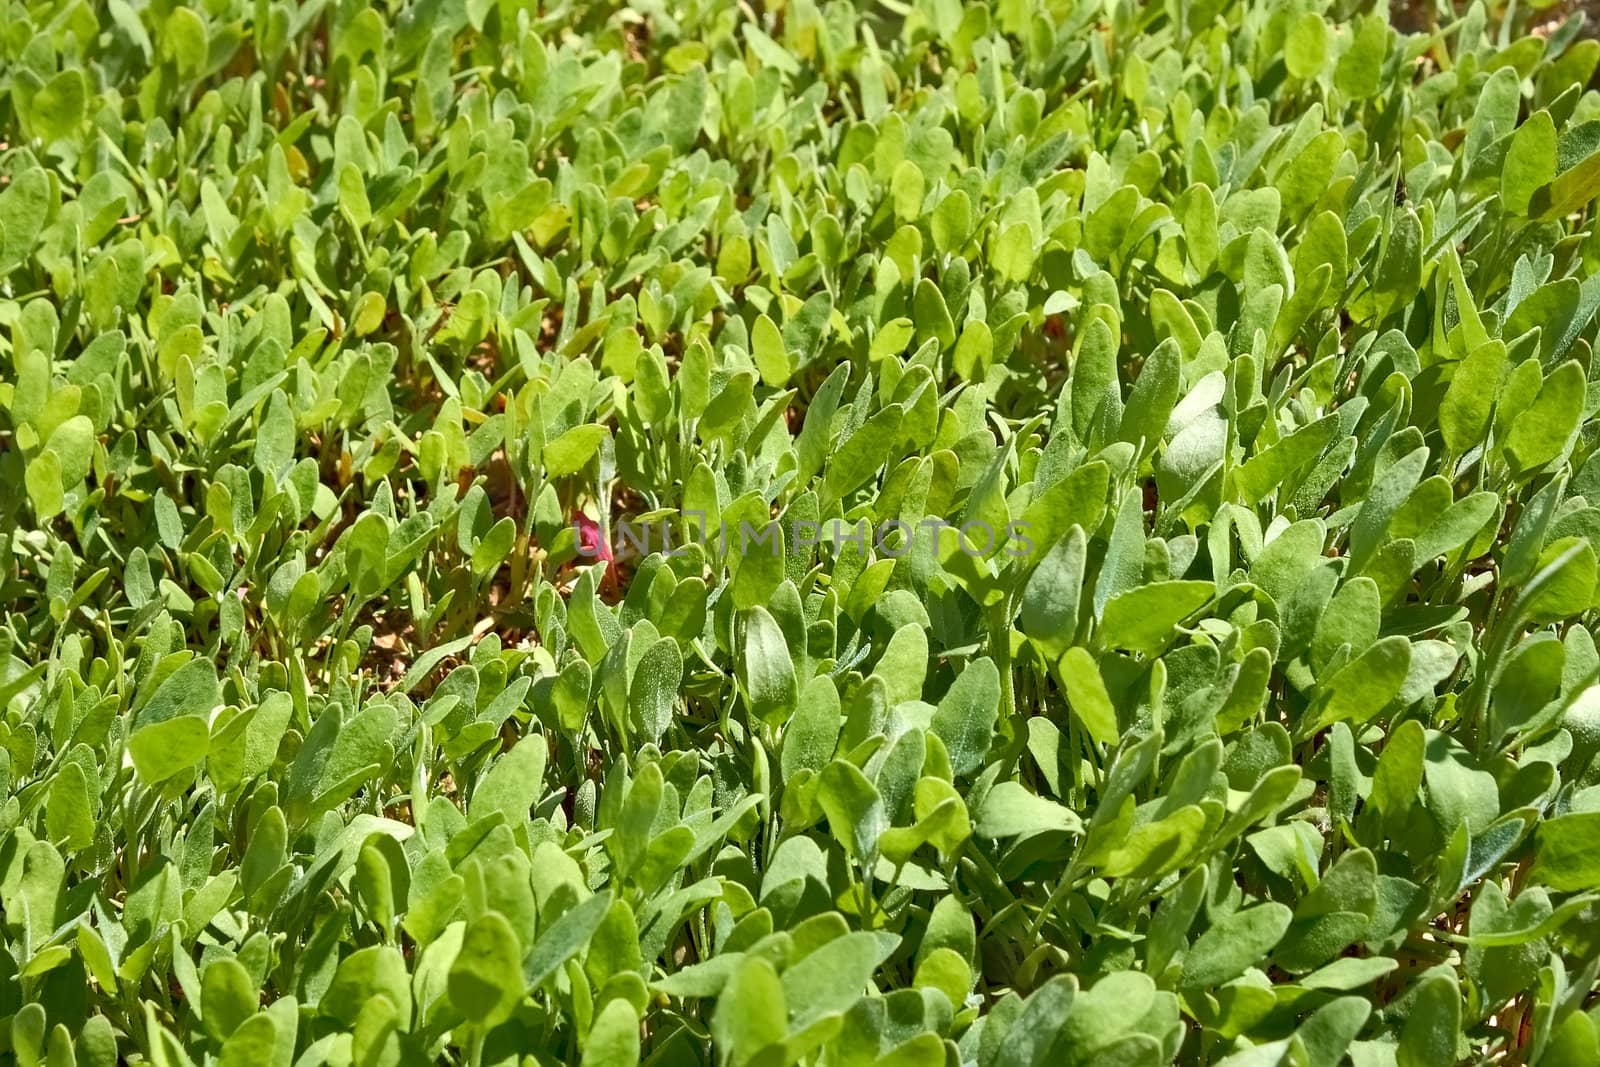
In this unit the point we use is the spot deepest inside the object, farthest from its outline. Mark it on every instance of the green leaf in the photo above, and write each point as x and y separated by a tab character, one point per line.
614	1036
1371	527
1530	162
861	457
854	808
69	815
966	716
1155	393
256	1041
1331	1028
1399	772
1087	695
772	358
812	733
43	481
1010	810
486	981
1305	50
768	670
513	782
906	190
1051	598
832	977
653	692
751	1012
1361	689
1123	567
1542	432
568	453
1143	619
1157	847
162	749
564	939
760	567
952	222
57	108
372	972
1429	1036
904	663
1568	192
73	444
1567	852
275	437
1013	253
1079	499
1563	583
1037	1029
1234	943
1360	69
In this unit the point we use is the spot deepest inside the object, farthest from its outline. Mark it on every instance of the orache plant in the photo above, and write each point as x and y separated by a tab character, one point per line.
1259	729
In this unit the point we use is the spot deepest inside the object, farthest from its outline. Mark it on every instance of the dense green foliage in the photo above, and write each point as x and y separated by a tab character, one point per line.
1168	432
